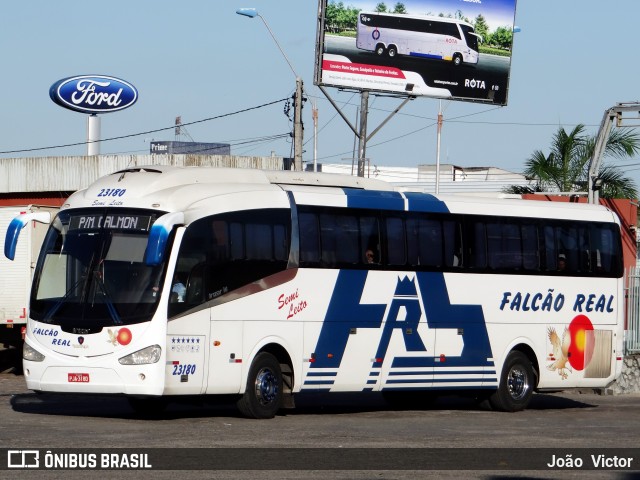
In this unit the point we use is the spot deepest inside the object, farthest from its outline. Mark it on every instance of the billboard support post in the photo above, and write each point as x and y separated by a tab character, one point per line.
361	133
362	136
438	148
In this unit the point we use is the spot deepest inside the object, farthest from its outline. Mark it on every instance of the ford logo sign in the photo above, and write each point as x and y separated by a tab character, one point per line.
93	94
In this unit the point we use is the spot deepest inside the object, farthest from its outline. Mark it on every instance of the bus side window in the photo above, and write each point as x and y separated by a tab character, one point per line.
396	249
346	241
309	238
369	240
452	243
530	248
478	247
195	285
430	242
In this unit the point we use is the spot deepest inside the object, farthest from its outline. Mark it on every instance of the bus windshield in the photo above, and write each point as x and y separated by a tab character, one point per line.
91	272
470	36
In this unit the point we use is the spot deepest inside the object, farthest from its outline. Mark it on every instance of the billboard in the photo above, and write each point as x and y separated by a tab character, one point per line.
453	49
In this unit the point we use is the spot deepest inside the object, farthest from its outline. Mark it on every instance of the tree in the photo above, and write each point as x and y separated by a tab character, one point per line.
399	8
566	167
502	37
381	7
482	28
339	18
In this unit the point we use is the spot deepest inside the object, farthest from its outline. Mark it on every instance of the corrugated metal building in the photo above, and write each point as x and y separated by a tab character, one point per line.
50	180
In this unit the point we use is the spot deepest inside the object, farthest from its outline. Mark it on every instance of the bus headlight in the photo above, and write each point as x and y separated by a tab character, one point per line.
31	354
142	357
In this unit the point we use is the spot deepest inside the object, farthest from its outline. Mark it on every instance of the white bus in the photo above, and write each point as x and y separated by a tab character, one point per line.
418	36
160	282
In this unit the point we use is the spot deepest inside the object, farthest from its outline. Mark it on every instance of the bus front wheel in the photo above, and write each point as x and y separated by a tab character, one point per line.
517	382
263	395
457	59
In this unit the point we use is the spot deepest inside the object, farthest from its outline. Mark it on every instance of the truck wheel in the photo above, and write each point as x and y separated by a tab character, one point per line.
517	382
263	395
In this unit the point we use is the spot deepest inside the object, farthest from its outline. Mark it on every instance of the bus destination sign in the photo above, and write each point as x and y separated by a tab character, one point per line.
113	221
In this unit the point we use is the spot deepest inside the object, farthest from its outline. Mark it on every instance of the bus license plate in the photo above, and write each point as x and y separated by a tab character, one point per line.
78	378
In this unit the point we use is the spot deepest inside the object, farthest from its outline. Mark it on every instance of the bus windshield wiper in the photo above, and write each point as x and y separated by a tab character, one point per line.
113	313
58	304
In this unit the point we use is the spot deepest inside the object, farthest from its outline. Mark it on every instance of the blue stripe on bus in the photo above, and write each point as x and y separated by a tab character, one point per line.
465	372
322	374
318	382
435	387
426	55
423	202
442	380
374	199
440	373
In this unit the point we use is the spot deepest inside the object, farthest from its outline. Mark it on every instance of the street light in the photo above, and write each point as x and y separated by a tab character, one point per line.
297	100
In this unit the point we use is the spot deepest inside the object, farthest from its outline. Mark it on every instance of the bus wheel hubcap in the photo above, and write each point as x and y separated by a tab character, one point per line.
518	383
266	386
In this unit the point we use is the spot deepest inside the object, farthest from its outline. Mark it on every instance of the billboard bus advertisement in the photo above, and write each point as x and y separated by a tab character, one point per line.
454	49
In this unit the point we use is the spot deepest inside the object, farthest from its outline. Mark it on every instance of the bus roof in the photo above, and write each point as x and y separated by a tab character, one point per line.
173	188
419	17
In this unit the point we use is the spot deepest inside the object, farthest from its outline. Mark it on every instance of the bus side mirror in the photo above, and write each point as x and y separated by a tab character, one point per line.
16	226
159	235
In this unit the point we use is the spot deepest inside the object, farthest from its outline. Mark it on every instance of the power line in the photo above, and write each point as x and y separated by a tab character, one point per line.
244	110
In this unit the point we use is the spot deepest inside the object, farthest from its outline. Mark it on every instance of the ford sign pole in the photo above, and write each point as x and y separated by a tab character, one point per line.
297	99
93	135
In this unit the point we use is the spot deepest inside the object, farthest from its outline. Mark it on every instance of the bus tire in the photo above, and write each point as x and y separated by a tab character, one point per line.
517	382
263	395
392	51
457	59
380	50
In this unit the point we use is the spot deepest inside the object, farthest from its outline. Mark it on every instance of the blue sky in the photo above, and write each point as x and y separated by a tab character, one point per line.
198	59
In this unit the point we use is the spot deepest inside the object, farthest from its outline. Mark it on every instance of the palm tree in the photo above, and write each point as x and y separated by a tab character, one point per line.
566	167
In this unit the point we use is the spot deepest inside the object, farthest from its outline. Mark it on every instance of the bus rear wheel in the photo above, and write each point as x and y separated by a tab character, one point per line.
380	49
517	382
263	395
392	51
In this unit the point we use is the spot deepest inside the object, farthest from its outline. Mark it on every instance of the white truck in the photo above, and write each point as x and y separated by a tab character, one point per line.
15	276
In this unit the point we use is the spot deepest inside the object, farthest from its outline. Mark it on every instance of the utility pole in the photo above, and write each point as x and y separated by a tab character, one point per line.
315	136
297	126
297	99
